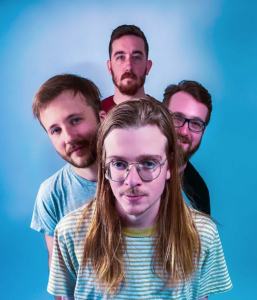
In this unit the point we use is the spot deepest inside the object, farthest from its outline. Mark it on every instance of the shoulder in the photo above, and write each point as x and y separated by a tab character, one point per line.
69	223
207	229
107	104
52	181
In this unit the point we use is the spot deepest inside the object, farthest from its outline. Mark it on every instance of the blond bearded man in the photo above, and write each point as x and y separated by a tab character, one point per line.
137	239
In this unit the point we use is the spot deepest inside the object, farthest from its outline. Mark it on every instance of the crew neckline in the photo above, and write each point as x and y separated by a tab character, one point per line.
134	232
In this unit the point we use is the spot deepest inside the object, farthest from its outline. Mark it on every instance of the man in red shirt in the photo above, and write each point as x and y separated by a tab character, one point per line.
128	64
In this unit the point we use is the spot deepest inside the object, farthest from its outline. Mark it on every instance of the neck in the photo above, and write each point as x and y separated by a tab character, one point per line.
89	173
119	97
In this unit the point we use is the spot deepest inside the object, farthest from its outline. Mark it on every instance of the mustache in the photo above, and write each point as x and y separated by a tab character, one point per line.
77	144
134	191
184	139
129	74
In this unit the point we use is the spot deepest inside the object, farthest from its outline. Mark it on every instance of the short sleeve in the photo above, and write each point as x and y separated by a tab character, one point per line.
44	217
214	272
62	278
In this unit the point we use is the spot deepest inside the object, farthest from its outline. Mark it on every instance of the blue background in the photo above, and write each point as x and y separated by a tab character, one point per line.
213	42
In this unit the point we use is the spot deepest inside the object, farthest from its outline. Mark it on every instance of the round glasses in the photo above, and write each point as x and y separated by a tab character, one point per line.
194	125
147	169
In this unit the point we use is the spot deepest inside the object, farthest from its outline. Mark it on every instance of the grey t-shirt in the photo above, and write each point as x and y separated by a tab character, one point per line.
58	195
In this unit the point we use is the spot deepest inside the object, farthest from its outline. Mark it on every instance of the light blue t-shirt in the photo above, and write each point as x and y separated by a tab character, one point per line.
60	194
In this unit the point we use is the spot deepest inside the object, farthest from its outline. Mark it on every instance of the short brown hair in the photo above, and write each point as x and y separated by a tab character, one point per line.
54	86
123	30
193	88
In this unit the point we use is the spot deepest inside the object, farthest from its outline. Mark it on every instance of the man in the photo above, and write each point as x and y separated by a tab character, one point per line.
137	239
191	105
69	109
128	64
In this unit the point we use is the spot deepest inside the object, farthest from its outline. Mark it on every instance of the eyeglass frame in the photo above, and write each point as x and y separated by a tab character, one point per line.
161	164
186	120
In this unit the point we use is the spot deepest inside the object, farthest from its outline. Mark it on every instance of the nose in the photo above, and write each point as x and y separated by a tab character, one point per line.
133	179
184	130
128	67
68	135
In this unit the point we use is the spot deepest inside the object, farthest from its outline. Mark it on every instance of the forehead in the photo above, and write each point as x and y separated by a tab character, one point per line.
128	43
64	105
188	106
130	144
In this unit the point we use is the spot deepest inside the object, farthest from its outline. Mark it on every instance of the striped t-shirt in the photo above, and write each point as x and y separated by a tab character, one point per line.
68	279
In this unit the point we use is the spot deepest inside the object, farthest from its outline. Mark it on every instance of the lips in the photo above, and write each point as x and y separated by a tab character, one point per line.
76	147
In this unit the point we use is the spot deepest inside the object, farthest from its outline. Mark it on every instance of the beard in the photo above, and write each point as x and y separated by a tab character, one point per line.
190	151
88	153
131	88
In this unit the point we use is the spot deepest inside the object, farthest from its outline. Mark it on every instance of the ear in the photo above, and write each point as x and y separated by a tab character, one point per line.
168	174
102	115
109	66
148	66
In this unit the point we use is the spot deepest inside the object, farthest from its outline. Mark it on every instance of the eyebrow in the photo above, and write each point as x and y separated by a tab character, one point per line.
138	158
183	115
67	118
133	52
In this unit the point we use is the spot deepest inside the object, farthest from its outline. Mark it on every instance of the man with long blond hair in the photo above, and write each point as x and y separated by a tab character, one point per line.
137	239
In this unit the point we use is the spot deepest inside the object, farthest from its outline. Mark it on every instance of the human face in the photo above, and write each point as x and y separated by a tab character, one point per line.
128	65
137	200
185	105
71	125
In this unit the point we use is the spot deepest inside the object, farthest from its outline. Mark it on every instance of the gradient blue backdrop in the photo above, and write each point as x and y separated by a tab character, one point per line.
211	41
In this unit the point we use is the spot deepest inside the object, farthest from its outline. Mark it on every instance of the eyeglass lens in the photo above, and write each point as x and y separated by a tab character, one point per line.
147	169
194	125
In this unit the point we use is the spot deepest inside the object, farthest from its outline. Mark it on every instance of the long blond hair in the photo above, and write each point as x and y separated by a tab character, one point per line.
177	243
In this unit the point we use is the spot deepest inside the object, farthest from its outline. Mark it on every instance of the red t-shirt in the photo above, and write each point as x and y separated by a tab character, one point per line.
108	104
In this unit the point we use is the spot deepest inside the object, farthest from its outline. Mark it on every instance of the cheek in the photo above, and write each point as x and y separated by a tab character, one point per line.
196	138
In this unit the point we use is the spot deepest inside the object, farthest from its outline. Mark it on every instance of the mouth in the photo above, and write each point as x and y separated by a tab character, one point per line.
76	150
133	197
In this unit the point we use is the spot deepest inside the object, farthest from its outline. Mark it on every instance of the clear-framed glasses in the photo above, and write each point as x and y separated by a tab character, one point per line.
194	125
147	169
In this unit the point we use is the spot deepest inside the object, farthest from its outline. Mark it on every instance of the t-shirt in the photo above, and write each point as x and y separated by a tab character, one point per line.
196	189
108	104
67	278
194	186
60	194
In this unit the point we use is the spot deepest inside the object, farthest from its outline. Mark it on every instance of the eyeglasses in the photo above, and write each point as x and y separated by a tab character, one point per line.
193	124
147	169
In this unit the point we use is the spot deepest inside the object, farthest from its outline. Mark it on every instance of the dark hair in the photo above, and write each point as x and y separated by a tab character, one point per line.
123	30
193	88
54	86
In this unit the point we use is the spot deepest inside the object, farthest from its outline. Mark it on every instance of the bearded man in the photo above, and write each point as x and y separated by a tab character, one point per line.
191	105
68	108
128	64
138	238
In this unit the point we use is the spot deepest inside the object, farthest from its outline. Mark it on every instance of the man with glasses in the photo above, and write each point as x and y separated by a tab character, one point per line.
138	238
191	106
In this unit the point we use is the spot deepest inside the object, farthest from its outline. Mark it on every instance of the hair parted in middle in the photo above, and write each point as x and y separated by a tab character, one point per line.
177	242
123	30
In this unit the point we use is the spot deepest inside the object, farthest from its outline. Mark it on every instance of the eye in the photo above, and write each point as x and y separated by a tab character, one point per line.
148	164
136	57
76	120
55	131
120	57
119	165
196	124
